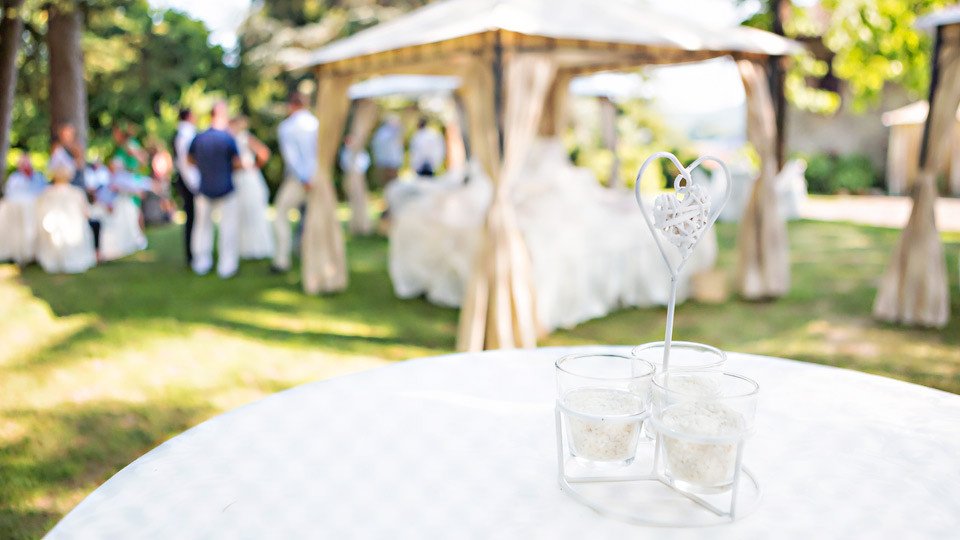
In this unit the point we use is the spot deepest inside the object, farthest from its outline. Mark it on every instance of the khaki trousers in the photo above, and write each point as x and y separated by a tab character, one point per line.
290	195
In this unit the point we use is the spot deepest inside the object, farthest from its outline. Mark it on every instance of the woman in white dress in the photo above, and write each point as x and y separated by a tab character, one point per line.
256	235
120	232
18	217
64	237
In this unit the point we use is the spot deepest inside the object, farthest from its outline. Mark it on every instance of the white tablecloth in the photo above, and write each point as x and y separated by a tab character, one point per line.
463	446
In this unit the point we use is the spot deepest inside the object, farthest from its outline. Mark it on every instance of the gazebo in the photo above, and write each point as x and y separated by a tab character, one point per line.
914	289
515	59
903	149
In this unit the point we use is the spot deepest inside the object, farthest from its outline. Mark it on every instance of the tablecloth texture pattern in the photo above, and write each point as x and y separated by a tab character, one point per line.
463	446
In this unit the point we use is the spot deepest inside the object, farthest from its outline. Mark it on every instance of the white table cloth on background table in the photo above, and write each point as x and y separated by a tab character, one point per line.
463	446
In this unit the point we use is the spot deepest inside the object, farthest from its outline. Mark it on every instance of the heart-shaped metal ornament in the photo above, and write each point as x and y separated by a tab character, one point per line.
682	221
682	217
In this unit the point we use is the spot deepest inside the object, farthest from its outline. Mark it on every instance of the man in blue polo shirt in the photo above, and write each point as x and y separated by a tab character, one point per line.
215	154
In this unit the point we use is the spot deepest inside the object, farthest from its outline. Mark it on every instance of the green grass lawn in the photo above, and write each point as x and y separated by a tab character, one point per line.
97	369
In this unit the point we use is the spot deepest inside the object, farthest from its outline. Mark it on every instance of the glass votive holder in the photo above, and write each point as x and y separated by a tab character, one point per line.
603	401
684	355
702	419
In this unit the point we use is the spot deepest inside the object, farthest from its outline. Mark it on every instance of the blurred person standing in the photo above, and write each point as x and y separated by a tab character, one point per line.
256	237
129	148
119	231
360	162
66	148
156	200
427	149
387	146
188	177
297	138
216	155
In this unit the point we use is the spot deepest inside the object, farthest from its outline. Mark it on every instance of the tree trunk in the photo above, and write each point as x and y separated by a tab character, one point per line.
11	31
68	90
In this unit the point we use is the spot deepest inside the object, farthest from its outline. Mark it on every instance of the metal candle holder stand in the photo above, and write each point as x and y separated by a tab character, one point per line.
641	492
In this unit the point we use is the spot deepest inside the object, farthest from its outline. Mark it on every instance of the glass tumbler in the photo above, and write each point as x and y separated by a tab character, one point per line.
684	355
702	419
603	400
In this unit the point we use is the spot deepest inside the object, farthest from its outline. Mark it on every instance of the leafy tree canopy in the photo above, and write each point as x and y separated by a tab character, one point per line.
136	60
872	42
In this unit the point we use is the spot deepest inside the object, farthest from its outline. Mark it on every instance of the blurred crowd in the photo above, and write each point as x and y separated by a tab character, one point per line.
81	213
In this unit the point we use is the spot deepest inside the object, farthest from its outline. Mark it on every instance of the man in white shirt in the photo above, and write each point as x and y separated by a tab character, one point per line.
387	144
188	176
427	150
297	138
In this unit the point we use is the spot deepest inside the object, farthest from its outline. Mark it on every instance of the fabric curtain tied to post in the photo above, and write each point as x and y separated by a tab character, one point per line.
914	289
762	243
364	117
323	258
498	309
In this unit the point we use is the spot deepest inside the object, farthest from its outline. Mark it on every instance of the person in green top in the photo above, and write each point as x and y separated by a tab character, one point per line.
130	152
129	148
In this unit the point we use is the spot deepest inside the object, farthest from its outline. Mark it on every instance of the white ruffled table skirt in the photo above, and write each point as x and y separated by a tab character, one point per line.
463	446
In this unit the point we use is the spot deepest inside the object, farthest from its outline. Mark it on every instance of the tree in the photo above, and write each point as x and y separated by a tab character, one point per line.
68	88
11	31
869	43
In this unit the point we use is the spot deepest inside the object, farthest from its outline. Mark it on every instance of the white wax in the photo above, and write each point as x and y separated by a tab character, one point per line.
605	434
706	464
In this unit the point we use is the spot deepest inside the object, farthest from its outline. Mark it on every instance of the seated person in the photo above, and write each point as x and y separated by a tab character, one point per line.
18	212
119	216
64	237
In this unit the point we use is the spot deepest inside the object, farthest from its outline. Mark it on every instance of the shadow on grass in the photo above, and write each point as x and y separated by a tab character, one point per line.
160	292
80	447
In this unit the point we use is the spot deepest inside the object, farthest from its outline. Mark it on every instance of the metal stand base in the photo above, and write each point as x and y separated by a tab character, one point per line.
637	494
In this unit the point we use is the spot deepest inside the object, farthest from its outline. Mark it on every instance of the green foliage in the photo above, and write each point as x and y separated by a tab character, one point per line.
875	42
808	97
641	132
138	63
853	173
872	42
820	171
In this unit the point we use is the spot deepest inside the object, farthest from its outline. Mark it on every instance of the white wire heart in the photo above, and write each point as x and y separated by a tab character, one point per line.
682	221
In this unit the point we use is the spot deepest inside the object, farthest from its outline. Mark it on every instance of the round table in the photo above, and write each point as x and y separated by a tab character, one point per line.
463	446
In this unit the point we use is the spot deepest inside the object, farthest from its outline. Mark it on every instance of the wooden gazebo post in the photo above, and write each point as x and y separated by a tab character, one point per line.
914	289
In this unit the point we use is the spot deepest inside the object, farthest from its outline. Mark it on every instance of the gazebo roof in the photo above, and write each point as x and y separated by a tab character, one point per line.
610	21
942	17
403	85
912	114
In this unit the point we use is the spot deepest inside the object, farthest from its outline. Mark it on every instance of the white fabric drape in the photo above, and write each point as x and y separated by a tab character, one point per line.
364	117
914	289
499	308
324	254
762	244
556	111
903	157
590	250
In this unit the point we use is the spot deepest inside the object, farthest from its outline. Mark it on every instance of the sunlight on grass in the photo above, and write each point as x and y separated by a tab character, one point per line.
296	323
